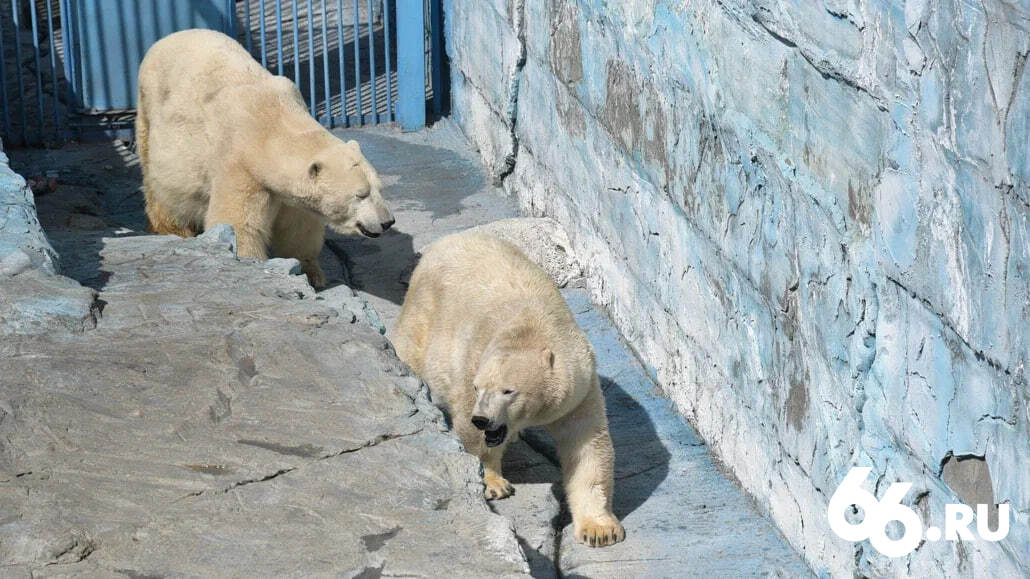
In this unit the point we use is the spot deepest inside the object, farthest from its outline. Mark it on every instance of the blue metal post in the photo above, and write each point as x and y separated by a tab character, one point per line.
372	65
53	68
296	45
389	76
15	8
311	59
343	76
246	13
230	25
261	23
3	80
39	71
279	35
69	37
357	63
325	67
436	54
411	65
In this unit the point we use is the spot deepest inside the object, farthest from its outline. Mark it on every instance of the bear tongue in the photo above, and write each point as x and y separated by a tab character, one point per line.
496	436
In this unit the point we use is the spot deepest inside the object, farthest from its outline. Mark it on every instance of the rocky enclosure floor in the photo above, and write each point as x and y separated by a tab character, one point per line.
191	414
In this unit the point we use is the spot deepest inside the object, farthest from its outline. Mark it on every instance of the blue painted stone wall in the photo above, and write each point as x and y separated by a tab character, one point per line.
812	221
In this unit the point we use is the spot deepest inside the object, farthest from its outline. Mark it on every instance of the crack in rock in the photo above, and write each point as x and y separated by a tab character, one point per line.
514	82
977	353
243	483
297	451
74	549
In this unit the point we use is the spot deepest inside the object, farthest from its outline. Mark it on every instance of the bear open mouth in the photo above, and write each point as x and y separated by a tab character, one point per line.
496	436
366	232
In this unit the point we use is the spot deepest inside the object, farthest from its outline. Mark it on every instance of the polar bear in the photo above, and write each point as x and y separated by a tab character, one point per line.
222	140
495	341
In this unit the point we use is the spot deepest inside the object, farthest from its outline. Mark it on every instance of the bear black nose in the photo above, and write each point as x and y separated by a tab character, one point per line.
480	422
388	224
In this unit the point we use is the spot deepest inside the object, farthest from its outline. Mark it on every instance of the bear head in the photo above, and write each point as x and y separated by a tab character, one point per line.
347	190
515	386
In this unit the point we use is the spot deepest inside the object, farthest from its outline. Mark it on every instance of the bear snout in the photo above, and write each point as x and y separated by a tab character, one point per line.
375	229
480	422
368	232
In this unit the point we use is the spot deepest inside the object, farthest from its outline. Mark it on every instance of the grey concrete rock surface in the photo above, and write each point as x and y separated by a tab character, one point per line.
343	298
287	266
15	262
222	420
33	300
543	241
36	302
20	230
221	233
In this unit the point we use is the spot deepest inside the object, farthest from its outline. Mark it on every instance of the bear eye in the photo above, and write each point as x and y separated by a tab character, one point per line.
363	193
314	169
509	392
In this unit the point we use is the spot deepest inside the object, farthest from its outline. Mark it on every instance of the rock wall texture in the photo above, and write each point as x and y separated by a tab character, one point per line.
812	221
23	244
33	298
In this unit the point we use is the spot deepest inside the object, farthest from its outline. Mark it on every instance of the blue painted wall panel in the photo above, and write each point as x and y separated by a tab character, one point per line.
111	37
809	218
411	65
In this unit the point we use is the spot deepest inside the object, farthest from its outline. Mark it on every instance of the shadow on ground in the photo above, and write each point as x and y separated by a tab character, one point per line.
641	459
98	194
432	190
641	465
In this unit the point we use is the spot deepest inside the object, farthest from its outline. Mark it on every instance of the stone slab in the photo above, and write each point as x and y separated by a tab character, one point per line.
222	420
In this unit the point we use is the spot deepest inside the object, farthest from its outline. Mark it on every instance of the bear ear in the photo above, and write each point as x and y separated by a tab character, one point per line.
548	357
314	169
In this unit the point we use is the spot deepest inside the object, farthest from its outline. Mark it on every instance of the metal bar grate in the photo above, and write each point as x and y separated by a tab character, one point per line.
68	66
279	37
344	54
3	79
16	18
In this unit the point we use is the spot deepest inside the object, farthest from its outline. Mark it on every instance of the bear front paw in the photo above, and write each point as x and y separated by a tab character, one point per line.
600	532
497	488
315	276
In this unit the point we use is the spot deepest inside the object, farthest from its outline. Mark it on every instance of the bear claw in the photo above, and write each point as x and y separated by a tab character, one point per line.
497	488
600	533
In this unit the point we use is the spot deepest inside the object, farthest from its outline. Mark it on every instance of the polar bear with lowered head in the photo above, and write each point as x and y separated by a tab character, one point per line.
222	140
495	341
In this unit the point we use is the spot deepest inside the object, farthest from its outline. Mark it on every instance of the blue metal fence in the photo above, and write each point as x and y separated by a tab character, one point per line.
351	59
68	67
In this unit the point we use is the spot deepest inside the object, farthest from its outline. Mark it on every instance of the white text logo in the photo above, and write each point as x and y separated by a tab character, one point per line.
878	513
